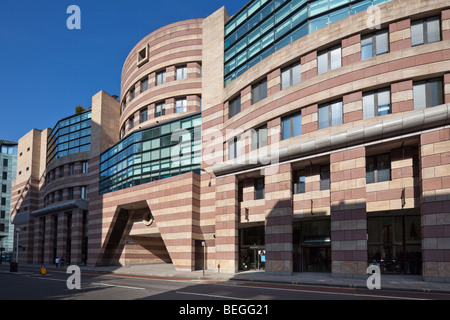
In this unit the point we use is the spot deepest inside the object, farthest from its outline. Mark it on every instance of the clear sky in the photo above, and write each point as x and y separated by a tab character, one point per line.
46	70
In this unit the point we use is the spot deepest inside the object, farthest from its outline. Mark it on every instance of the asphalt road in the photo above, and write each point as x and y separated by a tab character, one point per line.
187	295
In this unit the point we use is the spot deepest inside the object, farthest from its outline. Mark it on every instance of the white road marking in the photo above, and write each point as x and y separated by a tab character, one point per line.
210	295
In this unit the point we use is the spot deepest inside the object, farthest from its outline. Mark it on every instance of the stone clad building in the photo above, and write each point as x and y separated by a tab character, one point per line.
293	136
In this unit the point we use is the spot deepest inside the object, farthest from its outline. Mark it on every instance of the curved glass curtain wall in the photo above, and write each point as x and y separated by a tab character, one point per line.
70	135
151	154
265	26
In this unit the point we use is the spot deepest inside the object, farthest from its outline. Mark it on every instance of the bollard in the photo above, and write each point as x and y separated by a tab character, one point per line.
43	270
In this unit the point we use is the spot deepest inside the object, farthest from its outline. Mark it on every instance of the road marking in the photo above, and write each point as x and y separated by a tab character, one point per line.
210	295
326	292
116	285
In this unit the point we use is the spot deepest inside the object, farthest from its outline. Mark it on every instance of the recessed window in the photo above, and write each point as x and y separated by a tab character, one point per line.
330	115
132	94
292	126
84	167
234	148
259	137
426	31
181	72
144	85
329	60
375	44
428	93
259	188
143	116
83	192
377	103
161	78
181	105
142	56
160	109
291	75
378	168
299	182
259	91
325	177
234	107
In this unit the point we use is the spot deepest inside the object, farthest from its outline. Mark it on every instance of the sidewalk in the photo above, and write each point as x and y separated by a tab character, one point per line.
163	270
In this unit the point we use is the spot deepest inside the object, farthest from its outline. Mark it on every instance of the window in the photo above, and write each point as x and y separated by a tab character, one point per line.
234	148
132	94
182	72
234	107
2	214
160	78
84	167
144	85
142	56
71	169
325	177
291	75
428	93
259	138
3	203
5	162
60	195
180	105
329	60
299	182
330	115
4	188
131	121
259	188
377	103
292	126
259	91
378	168
5	175
70	193
426	31
160	109
375	44
143	116
83	192
61	171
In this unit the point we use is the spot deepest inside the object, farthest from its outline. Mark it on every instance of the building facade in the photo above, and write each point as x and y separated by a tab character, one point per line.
294	136
8	164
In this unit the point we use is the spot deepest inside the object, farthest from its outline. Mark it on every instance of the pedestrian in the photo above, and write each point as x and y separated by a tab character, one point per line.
57	262
61	261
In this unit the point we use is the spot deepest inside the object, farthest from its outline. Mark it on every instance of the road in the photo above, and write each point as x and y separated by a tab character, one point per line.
31	285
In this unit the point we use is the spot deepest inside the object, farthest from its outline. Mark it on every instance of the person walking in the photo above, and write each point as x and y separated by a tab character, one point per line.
57	262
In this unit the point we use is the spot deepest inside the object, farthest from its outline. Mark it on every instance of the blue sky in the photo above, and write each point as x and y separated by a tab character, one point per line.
46	70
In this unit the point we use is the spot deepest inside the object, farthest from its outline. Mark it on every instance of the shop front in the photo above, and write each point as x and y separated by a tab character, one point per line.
312	246
394	243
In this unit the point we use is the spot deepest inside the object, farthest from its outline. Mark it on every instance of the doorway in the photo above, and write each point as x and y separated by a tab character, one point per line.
252	253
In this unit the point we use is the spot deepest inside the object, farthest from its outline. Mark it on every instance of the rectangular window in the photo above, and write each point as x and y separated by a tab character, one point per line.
4	188
378	168
330	115
375	44
3	203
325	177
132	94
144	85
377	103
71	169
5	162
329	60
70	193
182	72
83	192
426	31
299	182
428	93
259	188
259	91
160	78
160	109
180	105
234	148
143	116
84	167
292	126
259	138
234	107
5	175
61	171
291	75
